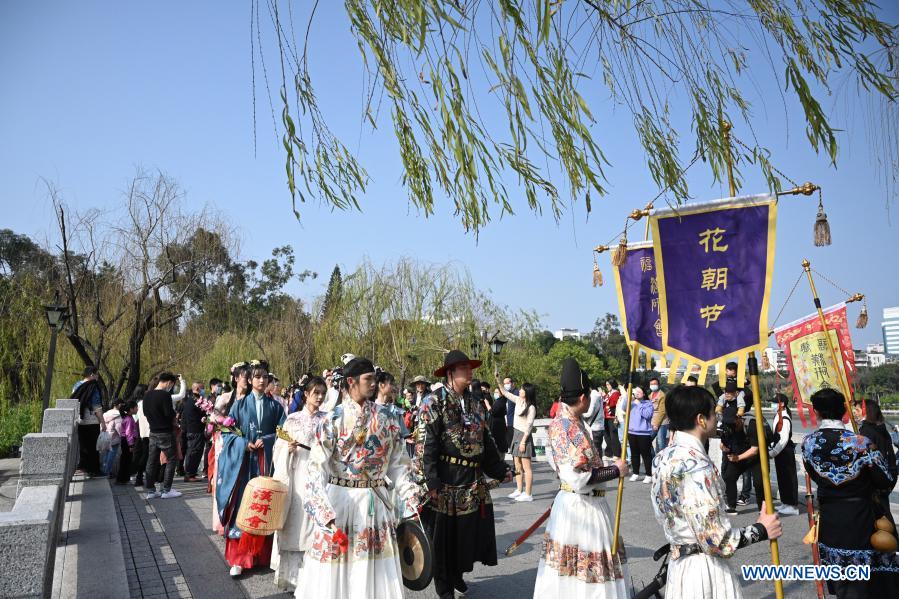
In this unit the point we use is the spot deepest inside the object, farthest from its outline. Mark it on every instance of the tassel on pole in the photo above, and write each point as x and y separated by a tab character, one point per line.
822	227
619	256
862	320
597	274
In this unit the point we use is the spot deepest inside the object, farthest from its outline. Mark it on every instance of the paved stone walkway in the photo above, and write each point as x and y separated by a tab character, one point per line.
171	551
9	480
150	562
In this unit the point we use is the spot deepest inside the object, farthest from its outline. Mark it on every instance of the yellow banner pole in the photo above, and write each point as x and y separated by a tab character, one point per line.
627	421
763	456
837	360
756	392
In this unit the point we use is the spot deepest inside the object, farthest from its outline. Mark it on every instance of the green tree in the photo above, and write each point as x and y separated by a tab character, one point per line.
333	295
611	345
554	70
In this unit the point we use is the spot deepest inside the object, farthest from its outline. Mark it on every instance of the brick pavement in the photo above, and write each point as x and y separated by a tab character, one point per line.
151	566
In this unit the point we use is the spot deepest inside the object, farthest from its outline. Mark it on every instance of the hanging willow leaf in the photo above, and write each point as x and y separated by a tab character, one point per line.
442	66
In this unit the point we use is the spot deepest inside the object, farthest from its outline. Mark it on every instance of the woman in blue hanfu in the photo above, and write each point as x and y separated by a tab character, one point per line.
849	470
246	453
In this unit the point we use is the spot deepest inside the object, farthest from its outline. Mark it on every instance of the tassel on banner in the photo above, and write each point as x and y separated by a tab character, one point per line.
766	363
822	227
862	320
741	369
619	256
672	369
702	374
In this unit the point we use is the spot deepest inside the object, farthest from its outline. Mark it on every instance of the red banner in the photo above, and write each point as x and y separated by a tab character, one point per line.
809	359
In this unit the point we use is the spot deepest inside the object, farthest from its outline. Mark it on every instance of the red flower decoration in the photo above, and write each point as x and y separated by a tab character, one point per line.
339	537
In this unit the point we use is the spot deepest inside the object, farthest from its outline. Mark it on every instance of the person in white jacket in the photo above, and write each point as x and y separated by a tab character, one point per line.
784	455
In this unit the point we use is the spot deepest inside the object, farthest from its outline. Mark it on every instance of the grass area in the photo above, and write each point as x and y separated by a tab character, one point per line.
16	421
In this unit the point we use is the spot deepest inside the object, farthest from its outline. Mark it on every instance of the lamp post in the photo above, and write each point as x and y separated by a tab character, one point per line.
56	318
475	350
496	346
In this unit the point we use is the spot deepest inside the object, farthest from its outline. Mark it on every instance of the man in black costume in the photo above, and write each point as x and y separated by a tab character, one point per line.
455	450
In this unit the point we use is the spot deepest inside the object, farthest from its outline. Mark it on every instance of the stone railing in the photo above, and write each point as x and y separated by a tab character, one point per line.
30	531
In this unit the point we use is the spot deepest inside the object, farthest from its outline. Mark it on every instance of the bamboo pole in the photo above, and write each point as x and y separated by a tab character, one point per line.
837	360
627	420
756	391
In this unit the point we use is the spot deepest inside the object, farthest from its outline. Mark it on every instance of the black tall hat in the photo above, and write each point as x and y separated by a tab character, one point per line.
575	381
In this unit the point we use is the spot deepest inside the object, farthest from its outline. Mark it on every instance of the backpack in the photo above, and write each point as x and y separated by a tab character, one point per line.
771	438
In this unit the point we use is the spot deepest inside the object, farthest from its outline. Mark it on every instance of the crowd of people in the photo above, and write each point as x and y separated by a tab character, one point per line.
360	453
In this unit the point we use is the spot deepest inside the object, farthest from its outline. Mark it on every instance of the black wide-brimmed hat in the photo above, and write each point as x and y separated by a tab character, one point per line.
454	358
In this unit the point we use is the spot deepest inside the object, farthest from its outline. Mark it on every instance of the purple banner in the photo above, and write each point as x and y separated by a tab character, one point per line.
638	297
715	264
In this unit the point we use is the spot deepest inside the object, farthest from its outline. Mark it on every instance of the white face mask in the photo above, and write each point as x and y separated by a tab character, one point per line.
653	387
496	396
507	386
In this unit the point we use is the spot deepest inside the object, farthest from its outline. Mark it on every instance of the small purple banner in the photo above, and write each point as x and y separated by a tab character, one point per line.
638	297
715	264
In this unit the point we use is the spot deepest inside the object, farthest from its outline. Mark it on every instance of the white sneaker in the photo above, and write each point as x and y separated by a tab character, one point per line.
634	477
514	494
153	494
647	479
170	494
787	510
236	571
524	497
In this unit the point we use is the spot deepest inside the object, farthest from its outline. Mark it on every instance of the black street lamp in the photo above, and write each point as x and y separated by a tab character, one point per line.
56	317
496	344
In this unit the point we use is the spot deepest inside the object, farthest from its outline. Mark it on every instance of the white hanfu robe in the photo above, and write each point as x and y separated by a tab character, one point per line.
688	501
355	446
290	468
576	560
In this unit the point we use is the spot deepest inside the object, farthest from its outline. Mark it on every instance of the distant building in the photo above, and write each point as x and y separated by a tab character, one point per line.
875	360
890	327
874	348
777	359
563	334
861	359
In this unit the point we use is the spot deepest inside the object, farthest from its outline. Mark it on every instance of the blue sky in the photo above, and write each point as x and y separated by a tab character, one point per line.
91	89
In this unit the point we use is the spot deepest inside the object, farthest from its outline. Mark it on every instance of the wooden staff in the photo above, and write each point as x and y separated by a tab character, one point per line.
810	510
627	420
763	457
514	546
837	360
